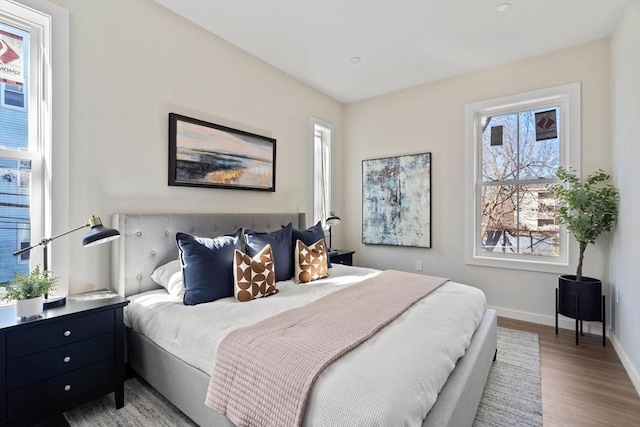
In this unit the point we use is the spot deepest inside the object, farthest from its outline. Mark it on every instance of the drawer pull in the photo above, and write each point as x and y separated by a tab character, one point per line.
67	387
67	333
67	359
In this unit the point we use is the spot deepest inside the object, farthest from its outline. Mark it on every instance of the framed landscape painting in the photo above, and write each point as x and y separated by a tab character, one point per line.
396	201
203	154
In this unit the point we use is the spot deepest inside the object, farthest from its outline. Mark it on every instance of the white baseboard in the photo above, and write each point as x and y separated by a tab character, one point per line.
563	322
633	374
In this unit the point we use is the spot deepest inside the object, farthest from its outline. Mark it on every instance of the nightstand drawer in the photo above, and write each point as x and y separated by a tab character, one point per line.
52	334
29	400
31	369
341	257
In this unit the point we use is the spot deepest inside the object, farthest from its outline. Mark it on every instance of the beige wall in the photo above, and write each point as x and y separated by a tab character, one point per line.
133	62
625	266
430	117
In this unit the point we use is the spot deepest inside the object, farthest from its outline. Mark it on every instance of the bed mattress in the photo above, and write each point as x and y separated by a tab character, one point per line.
384	381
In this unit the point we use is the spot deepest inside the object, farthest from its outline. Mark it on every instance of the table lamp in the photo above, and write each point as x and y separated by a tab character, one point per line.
331	221
97	234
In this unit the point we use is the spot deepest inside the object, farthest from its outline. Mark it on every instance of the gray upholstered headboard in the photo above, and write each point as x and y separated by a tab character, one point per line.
149	240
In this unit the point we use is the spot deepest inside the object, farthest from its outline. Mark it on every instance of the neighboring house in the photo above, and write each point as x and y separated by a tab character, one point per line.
538	231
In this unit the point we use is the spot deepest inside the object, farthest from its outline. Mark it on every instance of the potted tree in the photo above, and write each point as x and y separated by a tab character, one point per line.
587	209
29	289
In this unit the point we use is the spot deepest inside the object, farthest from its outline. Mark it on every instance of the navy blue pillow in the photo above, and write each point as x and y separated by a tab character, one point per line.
207	266
280	241
309	237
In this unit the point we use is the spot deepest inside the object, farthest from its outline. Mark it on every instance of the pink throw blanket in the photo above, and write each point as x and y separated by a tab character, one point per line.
264	372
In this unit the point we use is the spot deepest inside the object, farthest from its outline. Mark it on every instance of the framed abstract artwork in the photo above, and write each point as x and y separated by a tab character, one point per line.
396	201
203	154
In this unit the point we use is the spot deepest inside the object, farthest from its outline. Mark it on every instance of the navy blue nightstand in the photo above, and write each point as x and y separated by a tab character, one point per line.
67	356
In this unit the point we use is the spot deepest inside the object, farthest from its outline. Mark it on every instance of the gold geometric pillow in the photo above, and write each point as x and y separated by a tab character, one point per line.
310	261
254	277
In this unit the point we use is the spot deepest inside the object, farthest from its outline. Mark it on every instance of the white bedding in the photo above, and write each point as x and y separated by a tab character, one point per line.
385	381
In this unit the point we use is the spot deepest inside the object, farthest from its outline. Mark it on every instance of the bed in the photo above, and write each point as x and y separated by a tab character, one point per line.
179	368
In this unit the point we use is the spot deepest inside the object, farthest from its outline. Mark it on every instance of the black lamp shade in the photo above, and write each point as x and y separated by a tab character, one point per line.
99	234
333	219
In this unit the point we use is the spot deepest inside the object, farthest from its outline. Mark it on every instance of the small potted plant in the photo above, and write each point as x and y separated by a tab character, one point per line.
588	209
29	290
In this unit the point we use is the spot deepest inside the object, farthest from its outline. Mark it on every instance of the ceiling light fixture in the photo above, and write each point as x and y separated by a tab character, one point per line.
356	59
503	7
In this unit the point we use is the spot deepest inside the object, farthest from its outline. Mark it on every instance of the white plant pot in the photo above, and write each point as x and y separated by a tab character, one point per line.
29	307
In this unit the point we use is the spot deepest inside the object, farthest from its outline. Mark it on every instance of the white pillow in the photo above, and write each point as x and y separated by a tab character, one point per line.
169	276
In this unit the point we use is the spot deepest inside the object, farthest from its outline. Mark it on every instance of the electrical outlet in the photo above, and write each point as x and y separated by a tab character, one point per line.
418	265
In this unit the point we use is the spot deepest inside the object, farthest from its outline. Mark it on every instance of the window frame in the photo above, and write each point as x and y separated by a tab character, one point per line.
318	195
567	97
38	103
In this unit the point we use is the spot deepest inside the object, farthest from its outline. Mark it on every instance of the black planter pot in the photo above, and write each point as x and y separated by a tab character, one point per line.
588	292
582	300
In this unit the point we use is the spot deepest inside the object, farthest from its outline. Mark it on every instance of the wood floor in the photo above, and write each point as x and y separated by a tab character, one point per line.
583	385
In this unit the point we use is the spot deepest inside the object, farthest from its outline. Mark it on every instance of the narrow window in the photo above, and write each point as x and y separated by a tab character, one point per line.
25	137
322	135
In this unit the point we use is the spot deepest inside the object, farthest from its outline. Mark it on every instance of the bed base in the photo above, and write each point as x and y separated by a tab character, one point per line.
186	386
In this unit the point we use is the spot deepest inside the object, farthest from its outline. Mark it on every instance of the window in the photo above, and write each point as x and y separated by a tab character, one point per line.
12	96
24	174
24	240
322	133
26	137
514	147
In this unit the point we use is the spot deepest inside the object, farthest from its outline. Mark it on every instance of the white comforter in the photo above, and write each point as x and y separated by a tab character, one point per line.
391	379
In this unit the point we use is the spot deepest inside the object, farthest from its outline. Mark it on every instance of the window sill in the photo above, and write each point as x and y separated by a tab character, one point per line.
520	264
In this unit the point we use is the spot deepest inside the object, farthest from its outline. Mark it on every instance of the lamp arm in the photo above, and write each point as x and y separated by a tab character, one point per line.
69	232
45	242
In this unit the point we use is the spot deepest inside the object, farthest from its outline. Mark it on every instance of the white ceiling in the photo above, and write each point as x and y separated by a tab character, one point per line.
402	43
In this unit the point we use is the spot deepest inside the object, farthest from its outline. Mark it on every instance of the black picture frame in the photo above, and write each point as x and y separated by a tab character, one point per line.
204	154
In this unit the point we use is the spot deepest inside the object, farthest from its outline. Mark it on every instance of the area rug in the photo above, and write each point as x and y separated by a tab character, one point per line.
143	407
512	396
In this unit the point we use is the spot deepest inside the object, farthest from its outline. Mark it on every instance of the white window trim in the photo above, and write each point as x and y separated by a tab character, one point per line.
314	121
56	126
39	137
568	97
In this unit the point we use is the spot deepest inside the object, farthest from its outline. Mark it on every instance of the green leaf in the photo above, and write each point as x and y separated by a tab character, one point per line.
586	208
32	285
